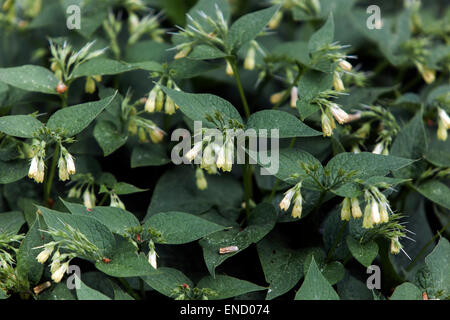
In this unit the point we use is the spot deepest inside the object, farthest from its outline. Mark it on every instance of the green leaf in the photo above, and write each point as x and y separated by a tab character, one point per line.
436	191
108	137
248	27
438	262
281	266
87	293
293	51
406	291
22	126
315	286
262	220
200	106
176	191
115	219
11	221
167	280
227	287
411	143
187	68
205	52
97	233
288	125
27	265
310	85
365	253
180	227
13	171
323	36
366	164
30	78
126	188
74	119
126	262
144	155
101	66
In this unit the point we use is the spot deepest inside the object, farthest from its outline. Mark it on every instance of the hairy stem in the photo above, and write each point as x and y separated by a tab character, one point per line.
49	181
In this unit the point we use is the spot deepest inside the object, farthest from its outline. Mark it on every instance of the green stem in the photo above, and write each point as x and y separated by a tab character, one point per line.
103	199
277	182
232	62
51	175
128	289
247	167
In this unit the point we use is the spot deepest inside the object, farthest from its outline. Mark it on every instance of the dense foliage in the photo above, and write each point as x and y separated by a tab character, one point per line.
93	99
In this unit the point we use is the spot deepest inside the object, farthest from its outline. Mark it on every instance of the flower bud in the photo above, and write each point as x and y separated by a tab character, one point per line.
276	97
326	126
375	212
395	246
249	62
32	172
378	148
286	202
152	254
297	209
229	70
183	52
169	106
156	135
367	220
294	97
159	100
345	211
338	85
444	118
196	149
356	210
345	65
275	21
340	115
70	163
150	104
59	274
43	256
442	131
384	216
201	182
63	174
90	85
88	199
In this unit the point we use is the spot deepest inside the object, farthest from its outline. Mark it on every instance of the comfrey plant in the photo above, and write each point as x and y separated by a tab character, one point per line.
145	143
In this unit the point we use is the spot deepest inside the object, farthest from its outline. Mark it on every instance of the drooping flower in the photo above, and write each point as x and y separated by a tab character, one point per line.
294	97
70	163
345	211
298	208
249	62
196	149
201	182
152	254
43	256
379	147
286	202
396	246
340	115
150	104
59	274
326	125
338	85
345	65
356	210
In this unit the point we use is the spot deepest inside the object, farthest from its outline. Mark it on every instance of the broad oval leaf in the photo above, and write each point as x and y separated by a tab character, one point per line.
21	126
73	120
30	78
